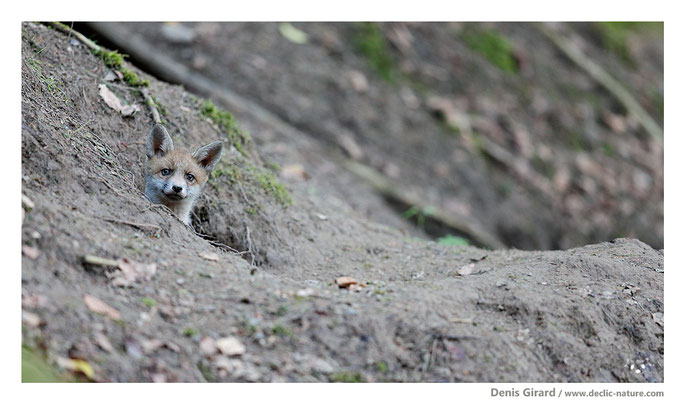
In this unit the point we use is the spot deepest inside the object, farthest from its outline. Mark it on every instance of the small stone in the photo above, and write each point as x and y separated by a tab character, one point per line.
230	346
30	319
305	292
344	282
30	252
211	256
466	270
208	346
159	378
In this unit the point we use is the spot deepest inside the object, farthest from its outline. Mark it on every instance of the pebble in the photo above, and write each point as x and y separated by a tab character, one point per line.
231	346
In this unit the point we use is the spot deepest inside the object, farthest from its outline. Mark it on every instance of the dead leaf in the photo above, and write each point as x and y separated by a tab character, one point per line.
466	270
293	34
104	343
76	366
230	346
344	282
294	172
30	252
130	271
211	256
151	345
115	103
99	307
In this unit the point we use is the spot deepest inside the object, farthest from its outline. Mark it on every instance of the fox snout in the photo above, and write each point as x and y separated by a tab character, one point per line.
175	192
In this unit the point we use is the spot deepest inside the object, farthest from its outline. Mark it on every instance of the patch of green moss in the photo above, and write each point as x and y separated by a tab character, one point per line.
268	183
224	120
382	366
494	47
614	35
372	44
347	377
225	170
115	60
190	332
206	371
149	302
282	331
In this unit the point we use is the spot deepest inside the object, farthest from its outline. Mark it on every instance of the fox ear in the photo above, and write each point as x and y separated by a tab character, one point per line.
159	142
208	156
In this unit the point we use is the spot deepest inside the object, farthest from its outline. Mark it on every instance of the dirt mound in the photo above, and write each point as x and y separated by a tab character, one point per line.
117	289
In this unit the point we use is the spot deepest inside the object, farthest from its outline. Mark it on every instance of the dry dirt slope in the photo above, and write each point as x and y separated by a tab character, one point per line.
273	312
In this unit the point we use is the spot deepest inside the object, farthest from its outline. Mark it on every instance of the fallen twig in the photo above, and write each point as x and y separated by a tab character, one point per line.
100	261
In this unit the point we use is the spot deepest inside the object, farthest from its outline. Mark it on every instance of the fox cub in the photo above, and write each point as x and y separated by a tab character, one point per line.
175	178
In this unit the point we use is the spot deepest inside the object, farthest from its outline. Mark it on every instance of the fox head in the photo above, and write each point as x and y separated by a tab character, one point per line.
175	178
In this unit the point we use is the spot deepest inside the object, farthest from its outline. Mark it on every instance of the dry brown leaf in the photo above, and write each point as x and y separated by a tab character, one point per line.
104	343
99	307
211	256
294	172
130	271
344	282
115	103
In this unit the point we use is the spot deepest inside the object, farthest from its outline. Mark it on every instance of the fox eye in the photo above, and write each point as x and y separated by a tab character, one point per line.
190	177
165	172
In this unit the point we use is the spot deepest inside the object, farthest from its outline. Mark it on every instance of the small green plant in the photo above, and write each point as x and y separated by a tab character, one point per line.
372	44
493	47
420	214
381	366
283	310
149	302
452	240
190	332
282	331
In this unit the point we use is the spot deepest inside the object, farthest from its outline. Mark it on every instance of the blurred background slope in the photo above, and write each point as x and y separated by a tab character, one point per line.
492	123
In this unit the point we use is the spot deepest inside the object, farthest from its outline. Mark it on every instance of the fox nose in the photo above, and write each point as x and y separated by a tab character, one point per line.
177	189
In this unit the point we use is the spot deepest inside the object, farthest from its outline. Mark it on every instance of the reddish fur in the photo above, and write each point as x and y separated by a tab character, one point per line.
181	162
